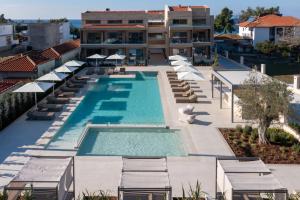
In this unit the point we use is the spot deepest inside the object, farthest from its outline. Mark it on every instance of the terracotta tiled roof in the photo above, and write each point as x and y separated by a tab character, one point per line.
18	64
38	57
7	84
66	47
156	12
272	21
113	26
117	11
50	53
184	8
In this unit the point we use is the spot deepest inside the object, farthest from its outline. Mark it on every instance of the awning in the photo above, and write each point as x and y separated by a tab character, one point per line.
74	63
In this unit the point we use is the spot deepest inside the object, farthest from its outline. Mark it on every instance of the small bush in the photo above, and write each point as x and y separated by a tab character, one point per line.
247	130
253	136
239	128
296	148
277	136
295	126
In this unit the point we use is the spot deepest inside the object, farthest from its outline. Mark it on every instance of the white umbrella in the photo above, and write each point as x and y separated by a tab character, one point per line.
74	63
116	57
180	62
177	57
190	76
53	77
66	69
36	87
185	68
96	57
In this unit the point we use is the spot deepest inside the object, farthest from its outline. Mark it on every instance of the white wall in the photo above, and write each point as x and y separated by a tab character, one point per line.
245	32
46	67
260	35
70	55
6	31
64	30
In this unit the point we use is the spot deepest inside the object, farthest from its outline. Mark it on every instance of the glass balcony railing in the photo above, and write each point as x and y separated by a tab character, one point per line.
115	41
201	40
93	41
133	41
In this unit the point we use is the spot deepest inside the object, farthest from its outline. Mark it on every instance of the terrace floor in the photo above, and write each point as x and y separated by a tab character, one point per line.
202	140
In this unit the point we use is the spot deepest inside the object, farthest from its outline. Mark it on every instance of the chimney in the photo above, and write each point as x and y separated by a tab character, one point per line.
107	9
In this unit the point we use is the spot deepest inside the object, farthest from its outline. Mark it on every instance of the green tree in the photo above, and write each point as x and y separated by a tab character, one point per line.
74	32
3	20
216	59
224	22
258	11
266	47
60	20
263	100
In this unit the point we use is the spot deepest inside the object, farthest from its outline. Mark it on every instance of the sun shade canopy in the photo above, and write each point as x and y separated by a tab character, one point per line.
36	87
177	58
190	76
116	57
185	68
53	76
180	62
66	69
96	56
74	63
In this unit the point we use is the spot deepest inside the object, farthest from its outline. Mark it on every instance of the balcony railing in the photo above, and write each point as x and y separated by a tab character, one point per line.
180	40
115	41
201	40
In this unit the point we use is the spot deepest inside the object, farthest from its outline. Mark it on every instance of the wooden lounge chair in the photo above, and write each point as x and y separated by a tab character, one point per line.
82	77
69	89
176	81
37	115
171	72
50	107
60	93
57	100
181	89
75	81
122	70
184	94
74	85
172	75
173	78
191	99
179	84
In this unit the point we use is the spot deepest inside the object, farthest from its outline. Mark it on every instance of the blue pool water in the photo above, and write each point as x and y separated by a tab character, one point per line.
131	142
114	101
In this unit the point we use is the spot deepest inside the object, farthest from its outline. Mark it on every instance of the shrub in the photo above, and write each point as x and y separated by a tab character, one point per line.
239	128
278	136
253	136
296	148
295	126
247	130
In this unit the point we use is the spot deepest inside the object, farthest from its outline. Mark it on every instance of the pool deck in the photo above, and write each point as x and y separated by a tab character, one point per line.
203	142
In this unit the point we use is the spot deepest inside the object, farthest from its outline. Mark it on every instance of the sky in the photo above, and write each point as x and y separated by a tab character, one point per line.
46	9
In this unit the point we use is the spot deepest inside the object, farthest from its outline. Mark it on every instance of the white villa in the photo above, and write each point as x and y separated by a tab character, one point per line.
270	28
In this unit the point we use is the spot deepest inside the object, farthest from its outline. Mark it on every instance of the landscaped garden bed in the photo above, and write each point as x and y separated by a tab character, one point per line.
282	148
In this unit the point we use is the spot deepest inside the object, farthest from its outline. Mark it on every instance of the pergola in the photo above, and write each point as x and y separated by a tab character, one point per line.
44	178
145	178
233	79
247	178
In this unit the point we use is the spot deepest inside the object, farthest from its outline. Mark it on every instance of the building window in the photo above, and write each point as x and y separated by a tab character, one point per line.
199	22
114	38
137	21
136	57
136	37
114	21
179	37
93	21
93	38
179	21
183	52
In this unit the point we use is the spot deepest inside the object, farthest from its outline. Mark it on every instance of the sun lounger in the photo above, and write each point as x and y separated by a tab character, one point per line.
74	85
50	107
172	75
69	89
90	71
82	78
37	115
74	81
176	81
179	84
173	78
57	100
188	110
171	72
64	94
122	70
181	89
191	99
184	94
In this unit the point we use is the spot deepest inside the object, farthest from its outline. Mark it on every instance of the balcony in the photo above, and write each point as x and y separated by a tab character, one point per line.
115	43
180	42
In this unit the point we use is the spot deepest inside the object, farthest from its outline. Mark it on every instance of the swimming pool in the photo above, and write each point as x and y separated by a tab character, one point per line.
131	142
113	101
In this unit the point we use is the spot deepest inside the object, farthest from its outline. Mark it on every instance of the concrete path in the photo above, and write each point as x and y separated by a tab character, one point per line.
229	64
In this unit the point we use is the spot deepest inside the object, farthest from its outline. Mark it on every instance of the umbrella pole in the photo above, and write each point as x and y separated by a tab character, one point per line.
53	88
35	99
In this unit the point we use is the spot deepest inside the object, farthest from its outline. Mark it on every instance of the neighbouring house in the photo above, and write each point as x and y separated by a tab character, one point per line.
145	35
34	64
270	28
7	36
233	43
44	35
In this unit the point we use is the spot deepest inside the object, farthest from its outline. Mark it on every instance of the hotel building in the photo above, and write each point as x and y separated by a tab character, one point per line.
146	37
